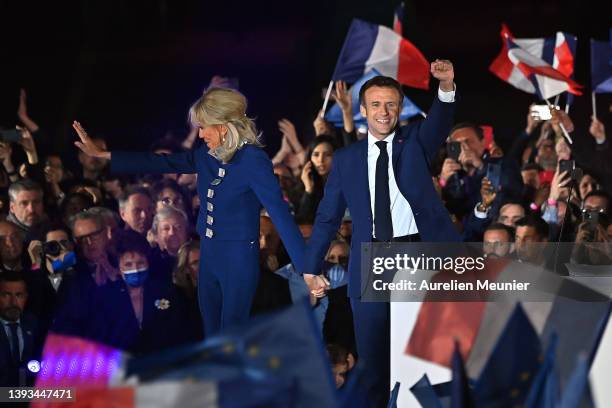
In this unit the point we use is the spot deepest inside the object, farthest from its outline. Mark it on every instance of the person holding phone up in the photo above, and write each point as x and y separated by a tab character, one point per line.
467	163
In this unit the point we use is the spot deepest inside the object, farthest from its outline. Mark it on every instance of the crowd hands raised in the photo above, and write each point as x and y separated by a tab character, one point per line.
115	259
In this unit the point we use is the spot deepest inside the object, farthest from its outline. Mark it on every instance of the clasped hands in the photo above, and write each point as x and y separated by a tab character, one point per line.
317	284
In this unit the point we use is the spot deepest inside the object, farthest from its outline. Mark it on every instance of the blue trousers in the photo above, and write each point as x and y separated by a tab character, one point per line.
372	336
227	281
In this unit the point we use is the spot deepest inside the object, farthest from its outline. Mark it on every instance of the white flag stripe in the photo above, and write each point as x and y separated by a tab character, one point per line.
520	81
170	394
534	46
550	87
405	368
600	370
385	53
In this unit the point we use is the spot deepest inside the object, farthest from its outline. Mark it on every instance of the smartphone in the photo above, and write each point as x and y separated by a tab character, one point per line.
10	135
494	175
567	165
591	217
453	150
540	112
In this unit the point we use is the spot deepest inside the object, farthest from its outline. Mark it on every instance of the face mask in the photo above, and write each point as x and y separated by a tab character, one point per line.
135	277
60	265
336	274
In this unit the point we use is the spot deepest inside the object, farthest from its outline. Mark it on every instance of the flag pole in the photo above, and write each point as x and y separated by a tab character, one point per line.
327	95
594	105
565	134
557	100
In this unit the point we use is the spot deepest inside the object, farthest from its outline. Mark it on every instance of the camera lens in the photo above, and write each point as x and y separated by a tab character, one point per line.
52	248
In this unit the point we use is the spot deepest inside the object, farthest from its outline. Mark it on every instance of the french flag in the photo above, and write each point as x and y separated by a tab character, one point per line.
370	46
543	66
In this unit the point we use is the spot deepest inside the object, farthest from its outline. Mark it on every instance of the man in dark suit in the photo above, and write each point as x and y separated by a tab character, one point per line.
385	182
19	338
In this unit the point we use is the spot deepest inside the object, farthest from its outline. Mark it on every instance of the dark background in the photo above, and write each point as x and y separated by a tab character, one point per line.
129	70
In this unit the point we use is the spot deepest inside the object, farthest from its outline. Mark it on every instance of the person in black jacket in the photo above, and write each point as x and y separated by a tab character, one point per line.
139	313
20	340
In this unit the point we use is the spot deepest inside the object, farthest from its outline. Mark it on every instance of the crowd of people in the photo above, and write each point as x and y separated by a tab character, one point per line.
115	258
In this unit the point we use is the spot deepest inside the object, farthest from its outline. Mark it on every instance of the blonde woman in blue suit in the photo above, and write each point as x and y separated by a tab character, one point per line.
235	180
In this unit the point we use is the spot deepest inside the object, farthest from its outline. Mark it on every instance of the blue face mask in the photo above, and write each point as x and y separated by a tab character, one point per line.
336	274
135	277
60	265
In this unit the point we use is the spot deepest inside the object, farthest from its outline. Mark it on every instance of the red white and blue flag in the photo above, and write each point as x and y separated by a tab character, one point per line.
542	66
370	46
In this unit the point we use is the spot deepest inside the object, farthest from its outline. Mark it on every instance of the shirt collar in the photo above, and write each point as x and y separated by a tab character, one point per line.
372	140
6	322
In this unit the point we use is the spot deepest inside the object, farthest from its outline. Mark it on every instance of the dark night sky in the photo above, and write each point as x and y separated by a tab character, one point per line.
130	69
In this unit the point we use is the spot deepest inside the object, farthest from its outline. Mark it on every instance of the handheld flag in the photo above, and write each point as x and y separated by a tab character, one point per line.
601	68
370	46
522	63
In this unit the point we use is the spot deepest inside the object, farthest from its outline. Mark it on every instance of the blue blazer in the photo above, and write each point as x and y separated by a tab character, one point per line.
414	146
229	210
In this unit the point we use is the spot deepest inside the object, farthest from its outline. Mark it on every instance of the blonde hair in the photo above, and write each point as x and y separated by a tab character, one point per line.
222	106
180	275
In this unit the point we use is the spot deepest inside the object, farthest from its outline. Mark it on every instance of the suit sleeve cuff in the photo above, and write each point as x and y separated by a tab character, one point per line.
480	214
447	97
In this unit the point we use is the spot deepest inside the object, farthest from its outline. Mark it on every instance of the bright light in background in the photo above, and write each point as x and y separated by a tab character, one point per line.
33	366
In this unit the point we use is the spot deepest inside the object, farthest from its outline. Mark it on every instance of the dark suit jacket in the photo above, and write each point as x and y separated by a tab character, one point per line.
347	186
32	347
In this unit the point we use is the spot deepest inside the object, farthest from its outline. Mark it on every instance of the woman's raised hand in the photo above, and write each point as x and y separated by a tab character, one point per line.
87	145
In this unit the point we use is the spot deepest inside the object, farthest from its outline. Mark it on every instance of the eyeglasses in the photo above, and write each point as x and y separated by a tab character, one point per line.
54	248
91	236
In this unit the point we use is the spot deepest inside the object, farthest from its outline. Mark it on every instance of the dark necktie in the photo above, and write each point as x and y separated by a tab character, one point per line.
15	343
383	226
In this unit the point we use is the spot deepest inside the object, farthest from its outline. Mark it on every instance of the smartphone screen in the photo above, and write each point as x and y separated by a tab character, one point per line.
453	150
494	175
566	165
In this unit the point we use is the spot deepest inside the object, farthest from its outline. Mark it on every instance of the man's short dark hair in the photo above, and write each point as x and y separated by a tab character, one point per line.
468	125
23	185
601	194
383	82
130	191
498	226
56	226
536	222
12	276
531	166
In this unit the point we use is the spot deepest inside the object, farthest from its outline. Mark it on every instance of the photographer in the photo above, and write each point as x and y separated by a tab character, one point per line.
592	241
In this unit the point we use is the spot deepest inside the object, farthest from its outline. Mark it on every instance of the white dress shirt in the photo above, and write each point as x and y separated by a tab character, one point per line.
401	213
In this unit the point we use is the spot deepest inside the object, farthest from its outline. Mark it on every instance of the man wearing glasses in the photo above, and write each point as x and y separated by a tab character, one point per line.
93	269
